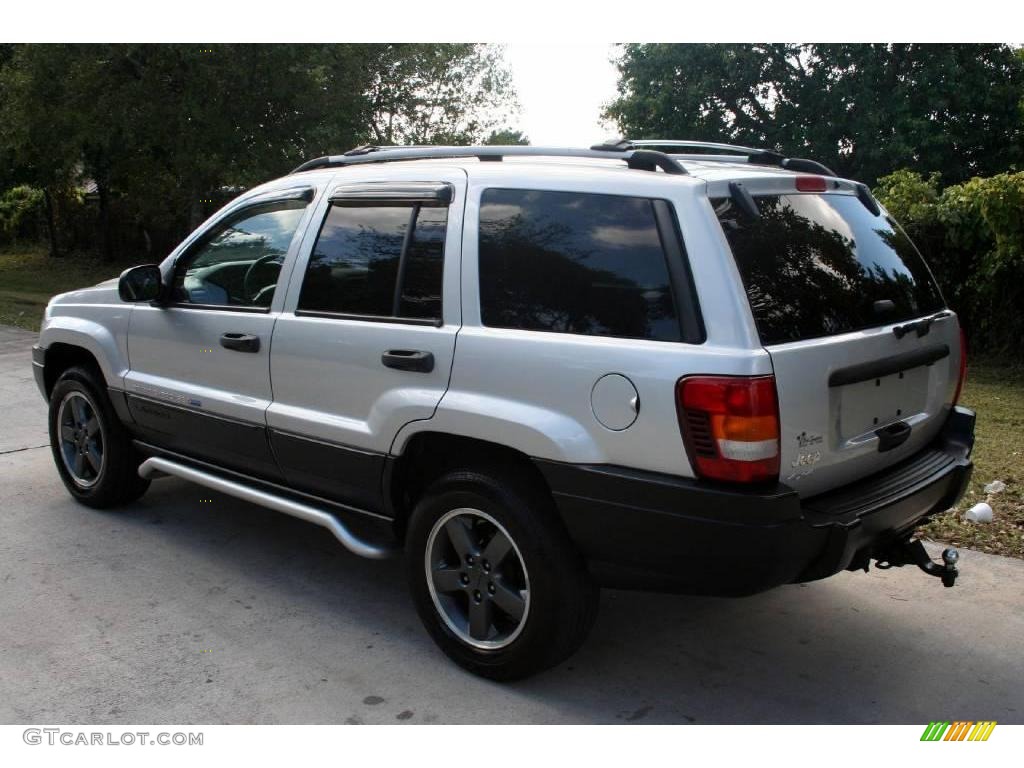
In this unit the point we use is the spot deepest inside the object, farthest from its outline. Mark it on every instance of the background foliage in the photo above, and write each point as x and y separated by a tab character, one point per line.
862	109
130	146
973	234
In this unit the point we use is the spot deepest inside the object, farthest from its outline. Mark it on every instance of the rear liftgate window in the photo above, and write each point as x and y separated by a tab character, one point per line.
574	263
819	265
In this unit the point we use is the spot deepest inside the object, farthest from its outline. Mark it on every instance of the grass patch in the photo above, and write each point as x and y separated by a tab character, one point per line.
28	278
995	390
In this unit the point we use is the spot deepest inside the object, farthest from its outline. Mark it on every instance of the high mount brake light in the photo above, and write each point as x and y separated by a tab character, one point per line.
730	426
810	184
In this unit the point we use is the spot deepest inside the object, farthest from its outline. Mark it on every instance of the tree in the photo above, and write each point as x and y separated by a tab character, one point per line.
508	137
162	129
437	93
38	144
861	109
190	119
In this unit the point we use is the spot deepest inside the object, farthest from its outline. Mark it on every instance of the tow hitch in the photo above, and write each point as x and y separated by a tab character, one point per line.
907	552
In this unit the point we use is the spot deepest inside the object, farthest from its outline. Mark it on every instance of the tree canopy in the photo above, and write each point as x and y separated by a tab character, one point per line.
161	129
863	109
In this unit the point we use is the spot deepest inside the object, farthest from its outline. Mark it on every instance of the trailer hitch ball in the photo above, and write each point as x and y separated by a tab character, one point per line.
950	557
913	551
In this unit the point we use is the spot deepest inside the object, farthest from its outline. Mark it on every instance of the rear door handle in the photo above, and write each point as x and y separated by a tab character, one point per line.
240	342
409	360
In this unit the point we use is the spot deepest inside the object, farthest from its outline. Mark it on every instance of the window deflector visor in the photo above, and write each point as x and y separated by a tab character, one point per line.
425	193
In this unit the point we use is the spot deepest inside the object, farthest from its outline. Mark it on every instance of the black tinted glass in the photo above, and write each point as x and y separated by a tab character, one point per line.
421	288
354	265
817	265
574	263
238	263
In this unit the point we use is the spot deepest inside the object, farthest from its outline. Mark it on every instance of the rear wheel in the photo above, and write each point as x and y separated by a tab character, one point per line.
496	581
481	591
91	448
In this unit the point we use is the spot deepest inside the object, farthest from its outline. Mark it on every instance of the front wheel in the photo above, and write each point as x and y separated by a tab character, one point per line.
496	580
91	448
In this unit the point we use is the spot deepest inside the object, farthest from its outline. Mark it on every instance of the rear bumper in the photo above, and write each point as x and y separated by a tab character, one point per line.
650	531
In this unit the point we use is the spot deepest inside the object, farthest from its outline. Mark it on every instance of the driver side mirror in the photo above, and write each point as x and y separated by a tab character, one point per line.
142	283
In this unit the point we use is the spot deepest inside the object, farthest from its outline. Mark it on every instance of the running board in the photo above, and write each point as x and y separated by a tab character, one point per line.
351	542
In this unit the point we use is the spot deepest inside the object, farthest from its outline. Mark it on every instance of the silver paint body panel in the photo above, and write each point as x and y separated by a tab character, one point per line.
531	391
329	382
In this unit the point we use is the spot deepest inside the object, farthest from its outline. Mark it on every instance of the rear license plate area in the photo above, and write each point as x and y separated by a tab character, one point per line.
868	405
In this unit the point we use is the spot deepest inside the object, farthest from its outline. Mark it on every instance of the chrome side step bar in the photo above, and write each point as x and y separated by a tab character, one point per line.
272	501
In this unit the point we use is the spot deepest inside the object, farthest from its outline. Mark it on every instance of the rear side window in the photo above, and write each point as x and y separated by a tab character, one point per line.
818	265
357	266
574	263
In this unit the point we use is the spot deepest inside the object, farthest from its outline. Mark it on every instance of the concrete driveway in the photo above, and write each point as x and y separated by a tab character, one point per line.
181	611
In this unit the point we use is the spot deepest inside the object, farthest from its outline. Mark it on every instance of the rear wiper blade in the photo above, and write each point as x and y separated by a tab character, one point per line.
922	326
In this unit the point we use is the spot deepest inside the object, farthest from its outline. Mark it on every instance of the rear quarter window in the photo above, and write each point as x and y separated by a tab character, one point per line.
568	262
819	265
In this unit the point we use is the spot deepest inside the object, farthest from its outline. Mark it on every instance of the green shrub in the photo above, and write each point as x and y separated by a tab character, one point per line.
20	210
910	197
973	237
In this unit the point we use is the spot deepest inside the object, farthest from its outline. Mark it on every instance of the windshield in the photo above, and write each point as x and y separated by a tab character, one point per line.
819	265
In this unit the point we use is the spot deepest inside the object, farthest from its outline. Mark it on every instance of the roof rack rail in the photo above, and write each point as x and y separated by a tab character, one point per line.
636	158
624	145
750	155
686	144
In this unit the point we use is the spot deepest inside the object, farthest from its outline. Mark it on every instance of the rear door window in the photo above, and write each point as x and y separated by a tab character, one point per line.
569	262
819	265
354	269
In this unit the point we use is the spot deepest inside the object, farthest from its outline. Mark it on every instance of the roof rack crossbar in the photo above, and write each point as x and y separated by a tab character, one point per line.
803	165
642	159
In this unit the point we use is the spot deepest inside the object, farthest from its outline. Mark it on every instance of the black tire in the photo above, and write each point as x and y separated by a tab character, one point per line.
117	481
561	602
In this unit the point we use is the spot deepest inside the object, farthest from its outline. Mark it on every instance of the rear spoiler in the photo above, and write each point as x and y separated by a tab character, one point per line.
740	154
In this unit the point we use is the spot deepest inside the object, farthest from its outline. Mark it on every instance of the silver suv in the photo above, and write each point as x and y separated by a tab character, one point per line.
662	365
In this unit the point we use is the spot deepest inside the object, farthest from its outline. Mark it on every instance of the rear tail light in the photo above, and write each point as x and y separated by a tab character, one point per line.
963	367
730	426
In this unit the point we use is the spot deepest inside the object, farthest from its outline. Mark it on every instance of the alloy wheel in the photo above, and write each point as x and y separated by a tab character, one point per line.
81	437
477	578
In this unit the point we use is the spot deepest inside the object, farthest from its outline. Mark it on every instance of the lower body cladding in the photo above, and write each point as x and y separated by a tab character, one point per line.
649	531
636	529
